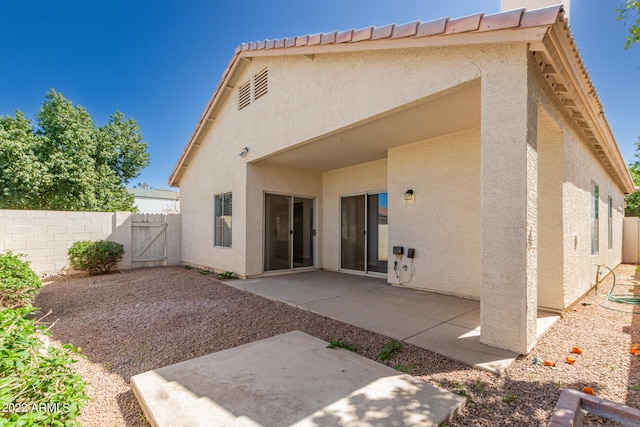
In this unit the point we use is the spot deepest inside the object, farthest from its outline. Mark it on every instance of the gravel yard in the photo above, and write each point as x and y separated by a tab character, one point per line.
132	322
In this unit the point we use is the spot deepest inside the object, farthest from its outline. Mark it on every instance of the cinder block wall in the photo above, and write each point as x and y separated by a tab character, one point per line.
45	236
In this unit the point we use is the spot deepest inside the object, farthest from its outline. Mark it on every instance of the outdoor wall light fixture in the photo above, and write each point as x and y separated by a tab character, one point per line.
244	152
408	195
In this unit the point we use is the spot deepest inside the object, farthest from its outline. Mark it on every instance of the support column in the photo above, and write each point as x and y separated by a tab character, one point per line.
509	164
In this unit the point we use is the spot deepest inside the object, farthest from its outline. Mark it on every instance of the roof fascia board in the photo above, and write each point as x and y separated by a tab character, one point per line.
559	52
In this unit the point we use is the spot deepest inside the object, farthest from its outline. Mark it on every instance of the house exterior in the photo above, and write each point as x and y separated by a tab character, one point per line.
477	142
156	201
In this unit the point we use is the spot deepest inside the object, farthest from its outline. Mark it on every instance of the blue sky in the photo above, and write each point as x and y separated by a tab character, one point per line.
158	61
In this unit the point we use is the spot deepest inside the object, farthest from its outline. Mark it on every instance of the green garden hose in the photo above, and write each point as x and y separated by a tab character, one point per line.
628	298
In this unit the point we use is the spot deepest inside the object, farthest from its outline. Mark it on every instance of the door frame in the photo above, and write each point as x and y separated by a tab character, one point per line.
314	218
366	246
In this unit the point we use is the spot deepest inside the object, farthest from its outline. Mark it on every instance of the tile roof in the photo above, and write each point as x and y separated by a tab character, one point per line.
518	18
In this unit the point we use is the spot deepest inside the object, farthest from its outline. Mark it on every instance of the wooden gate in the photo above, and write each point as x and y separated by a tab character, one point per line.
148	240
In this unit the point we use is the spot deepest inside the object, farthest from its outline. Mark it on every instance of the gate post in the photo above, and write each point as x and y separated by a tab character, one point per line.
174	236
121	233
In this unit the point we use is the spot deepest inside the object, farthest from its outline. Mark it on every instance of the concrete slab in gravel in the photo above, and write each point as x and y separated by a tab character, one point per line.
289	380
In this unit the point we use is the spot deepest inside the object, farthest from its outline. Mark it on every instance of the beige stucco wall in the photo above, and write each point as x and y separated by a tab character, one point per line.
550	213
215	169
334	87
567	167
333	91
442	223
363	178
580	169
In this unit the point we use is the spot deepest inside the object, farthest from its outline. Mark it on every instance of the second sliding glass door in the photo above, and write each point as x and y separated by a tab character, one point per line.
289	232
364	232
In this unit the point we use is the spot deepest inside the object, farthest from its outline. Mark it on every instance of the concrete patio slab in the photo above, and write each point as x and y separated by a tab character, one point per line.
469	320
301	289
546	319
357	311
423	304
444	324
289	380
463	344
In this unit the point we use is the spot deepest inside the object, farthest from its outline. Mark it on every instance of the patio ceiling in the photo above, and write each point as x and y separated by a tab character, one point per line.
370	140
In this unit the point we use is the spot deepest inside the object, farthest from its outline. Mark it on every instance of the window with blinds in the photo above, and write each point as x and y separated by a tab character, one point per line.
222	223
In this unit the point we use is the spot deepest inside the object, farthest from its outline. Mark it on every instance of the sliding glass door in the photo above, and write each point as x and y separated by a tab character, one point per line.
364	236
289	232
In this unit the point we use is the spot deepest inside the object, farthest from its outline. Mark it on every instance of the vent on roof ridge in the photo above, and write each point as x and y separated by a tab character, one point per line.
260	83
244	95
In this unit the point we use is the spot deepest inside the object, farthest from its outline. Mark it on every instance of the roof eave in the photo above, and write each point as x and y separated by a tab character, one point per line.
568	65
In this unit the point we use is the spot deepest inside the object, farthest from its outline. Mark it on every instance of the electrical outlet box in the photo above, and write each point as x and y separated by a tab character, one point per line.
411	253
398	250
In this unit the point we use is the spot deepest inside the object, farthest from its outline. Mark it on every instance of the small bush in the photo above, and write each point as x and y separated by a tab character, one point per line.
95	257
18	283
37	383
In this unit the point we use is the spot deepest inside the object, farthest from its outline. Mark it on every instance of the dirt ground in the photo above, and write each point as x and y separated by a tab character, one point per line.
131	322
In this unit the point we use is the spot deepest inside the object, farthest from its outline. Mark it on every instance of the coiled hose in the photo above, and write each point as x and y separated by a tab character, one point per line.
628	298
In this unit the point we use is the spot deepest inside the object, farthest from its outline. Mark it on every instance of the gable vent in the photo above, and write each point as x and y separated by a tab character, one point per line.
260	83
244	95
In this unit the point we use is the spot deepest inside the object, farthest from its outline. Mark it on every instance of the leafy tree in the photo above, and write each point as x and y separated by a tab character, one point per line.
65	162
630	10
633	199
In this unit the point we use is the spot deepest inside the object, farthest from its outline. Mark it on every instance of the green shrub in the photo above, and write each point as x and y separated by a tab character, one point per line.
18	283
38	385
95	257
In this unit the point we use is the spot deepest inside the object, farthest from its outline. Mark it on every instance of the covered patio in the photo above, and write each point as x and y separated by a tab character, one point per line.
444	324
